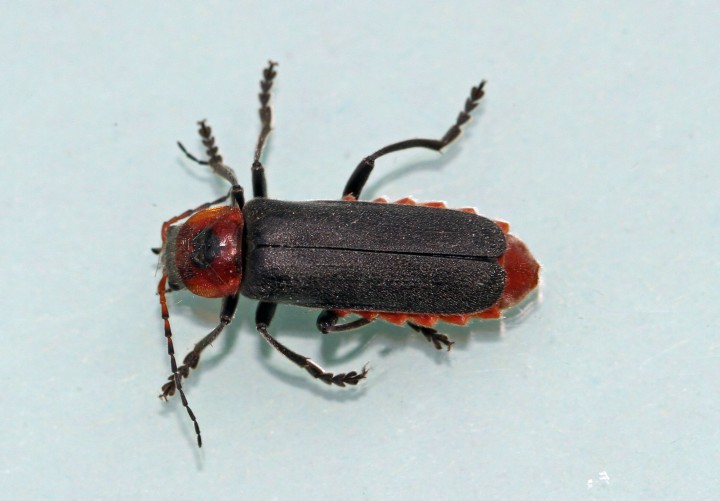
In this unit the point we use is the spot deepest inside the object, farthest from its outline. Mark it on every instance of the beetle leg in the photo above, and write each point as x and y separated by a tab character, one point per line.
436	338
327	320
263	317
191	359
265	111
213	153
216	162
362	172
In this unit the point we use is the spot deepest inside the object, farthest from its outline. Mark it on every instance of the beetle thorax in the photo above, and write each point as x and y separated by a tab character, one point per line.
204	254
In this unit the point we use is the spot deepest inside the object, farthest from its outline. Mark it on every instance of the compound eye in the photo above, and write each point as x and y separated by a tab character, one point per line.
208	252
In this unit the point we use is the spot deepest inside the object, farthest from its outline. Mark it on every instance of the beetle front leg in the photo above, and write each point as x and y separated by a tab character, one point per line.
191	359
216	162
175	380
263	317
362	172
438	339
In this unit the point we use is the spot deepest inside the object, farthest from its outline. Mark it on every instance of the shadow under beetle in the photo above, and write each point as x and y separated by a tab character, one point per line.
403	262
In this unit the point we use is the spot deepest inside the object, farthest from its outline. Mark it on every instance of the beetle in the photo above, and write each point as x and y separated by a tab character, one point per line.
403	262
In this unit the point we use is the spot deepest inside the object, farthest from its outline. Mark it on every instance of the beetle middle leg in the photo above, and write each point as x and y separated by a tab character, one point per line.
265	112
264	316
362	172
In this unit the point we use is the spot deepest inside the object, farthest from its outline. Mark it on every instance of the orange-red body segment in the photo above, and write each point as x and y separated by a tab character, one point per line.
208	252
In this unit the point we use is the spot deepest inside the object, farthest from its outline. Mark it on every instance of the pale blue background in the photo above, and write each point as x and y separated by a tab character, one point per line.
598	140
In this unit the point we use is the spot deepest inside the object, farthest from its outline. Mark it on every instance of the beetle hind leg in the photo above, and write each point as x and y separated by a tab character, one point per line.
362	172
438	339
327	322
263	317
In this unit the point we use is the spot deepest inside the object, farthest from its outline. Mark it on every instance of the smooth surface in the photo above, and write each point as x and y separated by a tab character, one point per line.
597	140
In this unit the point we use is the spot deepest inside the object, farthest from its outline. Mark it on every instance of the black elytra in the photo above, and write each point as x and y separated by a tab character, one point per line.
365	256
